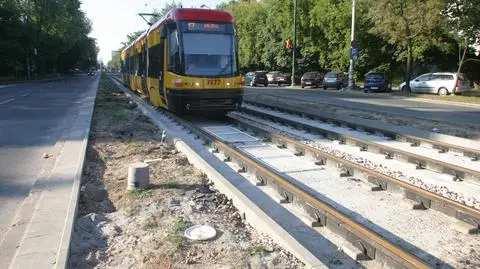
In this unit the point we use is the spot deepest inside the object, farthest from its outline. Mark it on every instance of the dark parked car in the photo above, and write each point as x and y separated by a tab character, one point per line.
279	78
256	78
377	82
336	80
311	79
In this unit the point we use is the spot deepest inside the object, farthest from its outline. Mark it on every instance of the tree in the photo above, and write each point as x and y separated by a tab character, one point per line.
44	37
412	26
132	37
464	23
160	13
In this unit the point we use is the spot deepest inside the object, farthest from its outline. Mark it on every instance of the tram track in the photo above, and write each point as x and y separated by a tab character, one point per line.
418	155
374	180
373	243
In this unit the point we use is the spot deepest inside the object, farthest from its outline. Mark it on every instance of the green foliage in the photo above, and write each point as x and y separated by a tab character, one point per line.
388	33
464	19
176	227
41	37
160	13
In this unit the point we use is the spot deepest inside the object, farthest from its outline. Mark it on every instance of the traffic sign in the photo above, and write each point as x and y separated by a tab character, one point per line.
353	53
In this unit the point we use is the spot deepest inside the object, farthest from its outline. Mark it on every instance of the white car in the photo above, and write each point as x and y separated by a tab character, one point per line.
438	83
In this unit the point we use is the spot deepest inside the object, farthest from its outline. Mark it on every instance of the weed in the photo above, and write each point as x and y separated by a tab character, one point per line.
176	240
170	185
256	249
132	210
179	224
132	147
140	194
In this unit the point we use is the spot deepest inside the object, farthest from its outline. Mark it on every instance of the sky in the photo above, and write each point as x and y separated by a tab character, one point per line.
112	20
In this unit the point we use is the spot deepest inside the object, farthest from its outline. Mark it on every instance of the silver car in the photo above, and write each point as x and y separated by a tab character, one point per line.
438	83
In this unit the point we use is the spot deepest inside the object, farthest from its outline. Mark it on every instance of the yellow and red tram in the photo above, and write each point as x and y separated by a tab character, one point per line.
186	61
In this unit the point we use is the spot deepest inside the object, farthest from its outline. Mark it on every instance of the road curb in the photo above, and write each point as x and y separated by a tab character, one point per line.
442	102
361	93
64	249
372	124
14	83
253	213
45	242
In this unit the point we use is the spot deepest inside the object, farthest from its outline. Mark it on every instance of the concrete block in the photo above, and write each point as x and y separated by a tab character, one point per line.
370	186
353	252
466	228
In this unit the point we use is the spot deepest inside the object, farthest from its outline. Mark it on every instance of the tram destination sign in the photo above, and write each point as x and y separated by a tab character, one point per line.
204	26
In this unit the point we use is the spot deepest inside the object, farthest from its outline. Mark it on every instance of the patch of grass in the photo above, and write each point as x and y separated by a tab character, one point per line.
472	97
140	194
132	147
256	249
132	210
170	185
177	226
176	240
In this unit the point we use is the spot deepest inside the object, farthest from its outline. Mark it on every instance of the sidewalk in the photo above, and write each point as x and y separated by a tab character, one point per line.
41	231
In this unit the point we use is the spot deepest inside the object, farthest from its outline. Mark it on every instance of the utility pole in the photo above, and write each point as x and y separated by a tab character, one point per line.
294	40
352	39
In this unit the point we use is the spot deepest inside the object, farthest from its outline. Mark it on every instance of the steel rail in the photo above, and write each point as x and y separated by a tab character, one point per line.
426	198
458	172
330	117
367	236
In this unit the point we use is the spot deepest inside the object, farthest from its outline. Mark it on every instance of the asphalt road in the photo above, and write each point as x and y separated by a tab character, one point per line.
378	102
33	117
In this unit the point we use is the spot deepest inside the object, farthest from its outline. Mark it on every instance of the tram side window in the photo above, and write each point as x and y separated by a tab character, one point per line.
130	64
137	63
155	64
142	62
173	52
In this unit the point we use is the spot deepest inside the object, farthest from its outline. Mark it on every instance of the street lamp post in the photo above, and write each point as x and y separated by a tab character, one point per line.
352	39
294	40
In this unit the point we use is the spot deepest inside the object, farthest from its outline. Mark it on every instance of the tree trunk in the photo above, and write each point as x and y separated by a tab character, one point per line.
460	66
408	72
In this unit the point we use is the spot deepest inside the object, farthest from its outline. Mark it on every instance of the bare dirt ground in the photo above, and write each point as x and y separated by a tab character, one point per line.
461	130
117	228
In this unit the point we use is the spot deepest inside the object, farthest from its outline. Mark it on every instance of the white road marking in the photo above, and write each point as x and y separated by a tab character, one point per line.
7	101
6	85
25	94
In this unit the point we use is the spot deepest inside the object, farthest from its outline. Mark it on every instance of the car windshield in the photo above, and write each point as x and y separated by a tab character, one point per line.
209	54
310	75
331	75
375	76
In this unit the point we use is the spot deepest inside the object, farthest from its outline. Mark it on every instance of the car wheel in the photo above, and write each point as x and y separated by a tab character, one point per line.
325	88
279	84
266	84
405	89
365	91
303	86
442	91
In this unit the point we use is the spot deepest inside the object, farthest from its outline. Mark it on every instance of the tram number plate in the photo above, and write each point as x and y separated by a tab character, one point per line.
213	82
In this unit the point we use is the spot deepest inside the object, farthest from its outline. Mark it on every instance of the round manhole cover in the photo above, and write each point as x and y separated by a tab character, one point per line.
200	232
